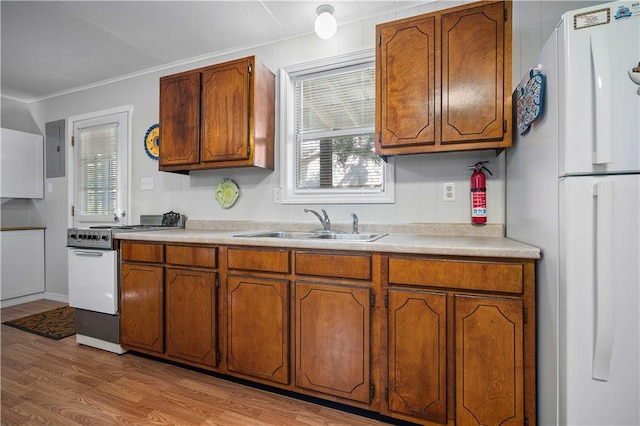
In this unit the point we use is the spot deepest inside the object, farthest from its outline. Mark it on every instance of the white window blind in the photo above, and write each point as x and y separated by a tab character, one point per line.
334	125
97	170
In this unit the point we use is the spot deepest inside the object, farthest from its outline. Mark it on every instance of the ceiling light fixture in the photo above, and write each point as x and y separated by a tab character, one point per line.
325	24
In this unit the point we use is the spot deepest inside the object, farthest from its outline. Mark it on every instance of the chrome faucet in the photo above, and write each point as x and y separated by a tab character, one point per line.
326	223
355	223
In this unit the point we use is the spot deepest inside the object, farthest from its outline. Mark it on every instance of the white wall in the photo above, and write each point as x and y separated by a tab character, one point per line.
419	178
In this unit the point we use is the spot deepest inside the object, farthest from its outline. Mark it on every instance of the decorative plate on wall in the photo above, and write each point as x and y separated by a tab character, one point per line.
227	193
152	142
530	101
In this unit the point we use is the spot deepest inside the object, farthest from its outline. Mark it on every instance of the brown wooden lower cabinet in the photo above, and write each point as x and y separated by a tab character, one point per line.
461	340
418	353
191	315
332	328
257	327
433	340
489	360
170	311
142	307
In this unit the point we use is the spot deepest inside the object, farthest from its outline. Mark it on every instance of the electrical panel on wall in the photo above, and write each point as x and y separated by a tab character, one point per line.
54	147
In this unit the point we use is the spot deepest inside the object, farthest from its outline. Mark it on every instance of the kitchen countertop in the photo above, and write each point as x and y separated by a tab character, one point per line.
22	228
436	239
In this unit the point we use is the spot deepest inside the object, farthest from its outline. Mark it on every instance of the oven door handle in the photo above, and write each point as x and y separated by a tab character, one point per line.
88	253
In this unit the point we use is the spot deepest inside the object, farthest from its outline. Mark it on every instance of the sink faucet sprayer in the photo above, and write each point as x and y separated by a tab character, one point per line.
326	223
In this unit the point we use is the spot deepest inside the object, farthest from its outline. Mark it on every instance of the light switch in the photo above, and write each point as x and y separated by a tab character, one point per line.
146	184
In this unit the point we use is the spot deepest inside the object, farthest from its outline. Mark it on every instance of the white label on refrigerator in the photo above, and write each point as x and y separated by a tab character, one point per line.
590	19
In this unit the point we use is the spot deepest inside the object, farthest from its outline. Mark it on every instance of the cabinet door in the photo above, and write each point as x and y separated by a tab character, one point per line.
22	259
257	327
418	354
406	81
180	119
333	339
21	164
142	307
225	112
191	315
489	361
473	74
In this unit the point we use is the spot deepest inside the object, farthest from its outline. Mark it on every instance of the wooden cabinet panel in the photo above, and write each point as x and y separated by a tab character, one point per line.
332	330
262	260
142	307
218	116
407	84
441	79
191	315
257	327
142	252
418	354
489	361
180	119
357	266
469	275
473	74
225	112
204	257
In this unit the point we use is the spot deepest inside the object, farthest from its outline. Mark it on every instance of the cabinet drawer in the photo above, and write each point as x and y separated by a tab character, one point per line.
467	275
259	260
355	266
204	257
142	252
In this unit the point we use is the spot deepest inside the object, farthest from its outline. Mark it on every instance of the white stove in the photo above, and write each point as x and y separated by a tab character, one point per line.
94	278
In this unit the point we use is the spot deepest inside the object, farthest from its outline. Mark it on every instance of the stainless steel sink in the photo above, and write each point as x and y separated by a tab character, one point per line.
296	235
349	237
323	235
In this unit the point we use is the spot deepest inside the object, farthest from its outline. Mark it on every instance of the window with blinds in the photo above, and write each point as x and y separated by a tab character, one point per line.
97	170
334	125
327	110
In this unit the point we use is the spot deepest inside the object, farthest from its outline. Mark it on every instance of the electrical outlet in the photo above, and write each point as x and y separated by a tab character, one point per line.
449	191
277	195
146	184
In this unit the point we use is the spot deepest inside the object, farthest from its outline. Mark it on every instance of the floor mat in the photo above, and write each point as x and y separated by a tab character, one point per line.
54	324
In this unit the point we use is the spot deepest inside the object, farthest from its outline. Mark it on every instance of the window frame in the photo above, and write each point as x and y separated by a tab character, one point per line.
288	139
124	116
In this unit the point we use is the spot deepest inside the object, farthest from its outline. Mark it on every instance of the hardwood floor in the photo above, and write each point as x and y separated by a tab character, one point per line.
46	381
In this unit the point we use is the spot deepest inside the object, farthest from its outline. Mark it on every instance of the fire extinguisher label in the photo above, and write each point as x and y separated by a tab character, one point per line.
479	204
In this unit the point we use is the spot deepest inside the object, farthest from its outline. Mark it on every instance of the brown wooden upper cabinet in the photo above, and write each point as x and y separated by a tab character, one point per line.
219	116
443	81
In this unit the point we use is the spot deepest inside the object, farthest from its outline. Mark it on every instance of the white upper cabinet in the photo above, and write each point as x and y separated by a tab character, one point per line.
21	165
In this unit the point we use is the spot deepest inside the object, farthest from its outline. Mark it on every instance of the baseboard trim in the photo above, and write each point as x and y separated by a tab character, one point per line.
33	297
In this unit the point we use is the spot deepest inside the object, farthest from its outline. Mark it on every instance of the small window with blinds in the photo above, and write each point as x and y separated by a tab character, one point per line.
330	146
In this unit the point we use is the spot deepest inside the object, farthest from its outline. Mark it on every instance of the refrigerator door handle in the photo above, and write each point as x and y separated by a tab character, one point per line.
602	100
604	306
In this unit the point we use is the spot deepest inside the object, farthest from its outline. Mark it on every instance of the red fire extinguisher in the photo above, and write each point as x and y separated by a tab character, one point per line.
479	193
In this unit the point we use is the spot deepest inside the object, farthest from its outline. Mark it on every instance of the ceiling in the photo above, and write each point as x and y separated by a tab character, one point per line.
54	47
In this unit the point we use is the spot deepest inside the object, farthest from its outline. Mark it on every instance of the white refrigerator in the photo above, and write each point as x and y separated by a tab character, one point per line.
573	189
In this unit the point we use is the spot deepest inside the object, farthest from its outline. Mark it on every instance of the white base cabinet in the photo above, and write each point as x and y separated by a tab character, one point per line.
22	267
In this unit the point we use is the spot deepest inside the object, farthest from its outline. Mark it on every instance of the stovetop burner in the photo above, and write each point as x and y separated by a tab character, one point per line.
101	236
